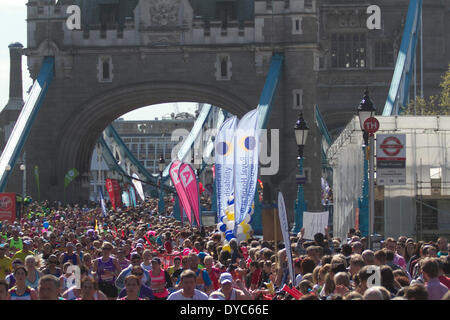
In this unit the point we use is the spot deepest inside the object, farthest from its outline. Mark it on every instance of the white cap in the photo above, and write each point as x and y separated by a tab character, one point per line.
225	277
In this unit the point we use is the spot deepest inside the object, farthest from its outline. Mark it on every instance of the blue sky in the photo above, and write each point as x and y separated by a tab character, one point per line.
13	14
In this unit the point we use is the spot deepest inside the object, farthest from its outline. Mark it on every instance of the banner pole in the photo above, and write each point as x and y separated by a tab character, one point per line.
275	233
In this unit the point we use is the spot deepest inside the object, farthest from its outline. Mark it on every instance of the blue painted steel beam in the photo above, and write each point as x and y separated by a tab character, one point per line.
398	92
190	140
269	90
25	121
110	131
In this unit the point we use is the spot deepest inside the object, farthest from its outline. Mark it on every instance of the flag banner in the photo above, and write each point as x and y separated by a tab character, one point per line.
8	207
117	192
185	206
246	157
70	176
102	201
132	194
285	231
126	198
314	222
36	175
224	166
111	193
189	183
138	185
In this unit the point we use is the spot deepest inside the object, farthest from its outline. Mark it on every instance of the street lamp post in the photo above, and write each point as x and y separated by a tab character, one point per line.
366	110
301	134
161	166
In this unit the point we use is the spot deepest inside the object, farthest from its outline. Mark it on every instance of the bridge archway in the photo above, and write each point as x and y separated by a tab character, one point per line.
84	125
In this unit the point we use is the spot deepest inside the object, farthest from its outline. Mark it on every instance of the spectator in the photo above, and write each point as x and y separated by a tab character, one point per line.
416	292
430	269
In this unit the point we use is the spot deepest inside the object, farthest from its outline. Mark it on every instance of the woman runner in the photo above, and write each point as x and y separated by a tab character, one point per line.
21	291
106	270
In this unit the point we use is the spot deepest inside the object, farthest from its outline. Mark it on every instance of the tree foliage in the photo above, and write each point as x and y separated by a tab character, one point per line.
434	105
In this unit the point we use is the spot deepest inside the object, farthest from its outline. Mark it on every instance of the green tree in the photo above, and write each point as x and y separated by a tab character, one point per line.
434	105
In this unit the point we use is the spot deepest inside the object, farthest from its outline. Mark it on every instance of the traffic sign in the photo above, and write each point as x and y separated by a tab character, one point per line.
391	159
391	146
371	125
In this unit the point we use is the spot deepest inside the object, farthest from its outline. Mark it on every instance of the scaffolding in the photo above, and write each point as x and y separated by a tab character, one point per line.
418	209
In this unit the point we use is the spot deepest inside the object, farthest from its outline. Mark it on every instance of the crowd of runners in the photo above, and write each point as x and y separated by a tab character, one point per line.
77	253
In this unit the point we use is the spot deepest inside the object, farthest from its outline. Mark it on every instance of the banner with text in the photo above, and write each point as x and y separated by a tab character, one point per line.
391	159
8	207
246	157
224	164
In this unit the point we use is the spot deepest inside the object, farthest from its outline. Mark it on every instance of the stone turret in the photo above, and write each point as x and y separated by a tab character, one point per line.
15	77
10	113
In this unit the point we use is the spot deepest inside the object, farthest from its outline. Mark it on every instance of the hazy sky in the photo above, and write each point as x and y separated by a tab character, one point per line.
13	14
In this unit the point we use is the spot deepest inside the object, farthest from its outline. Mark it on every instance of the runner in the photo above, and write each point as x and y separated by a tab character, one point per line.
21	291
160	280
231	292
132	285
106	269
48	288
34	274
188	290
145	292
5	263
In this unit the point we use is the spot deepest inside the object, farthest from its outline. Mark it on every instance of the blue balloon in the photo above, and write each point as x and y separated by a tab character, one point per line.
230	202
223	227
46	225
249	210
230	236
251	219
222	217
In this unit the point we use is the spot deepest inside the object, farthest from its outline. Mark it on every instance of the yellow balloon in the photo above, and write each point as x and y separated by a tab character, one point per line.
230	216
226	248
245	228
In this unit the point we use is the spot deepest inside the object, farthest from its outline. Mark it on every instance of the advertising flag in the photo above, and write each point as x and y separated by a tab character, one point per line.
113	188
132	196
117	192
126	198
224	166
246	157
8	207
138	185
189	183
185	206
102	201
70	176
285	231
